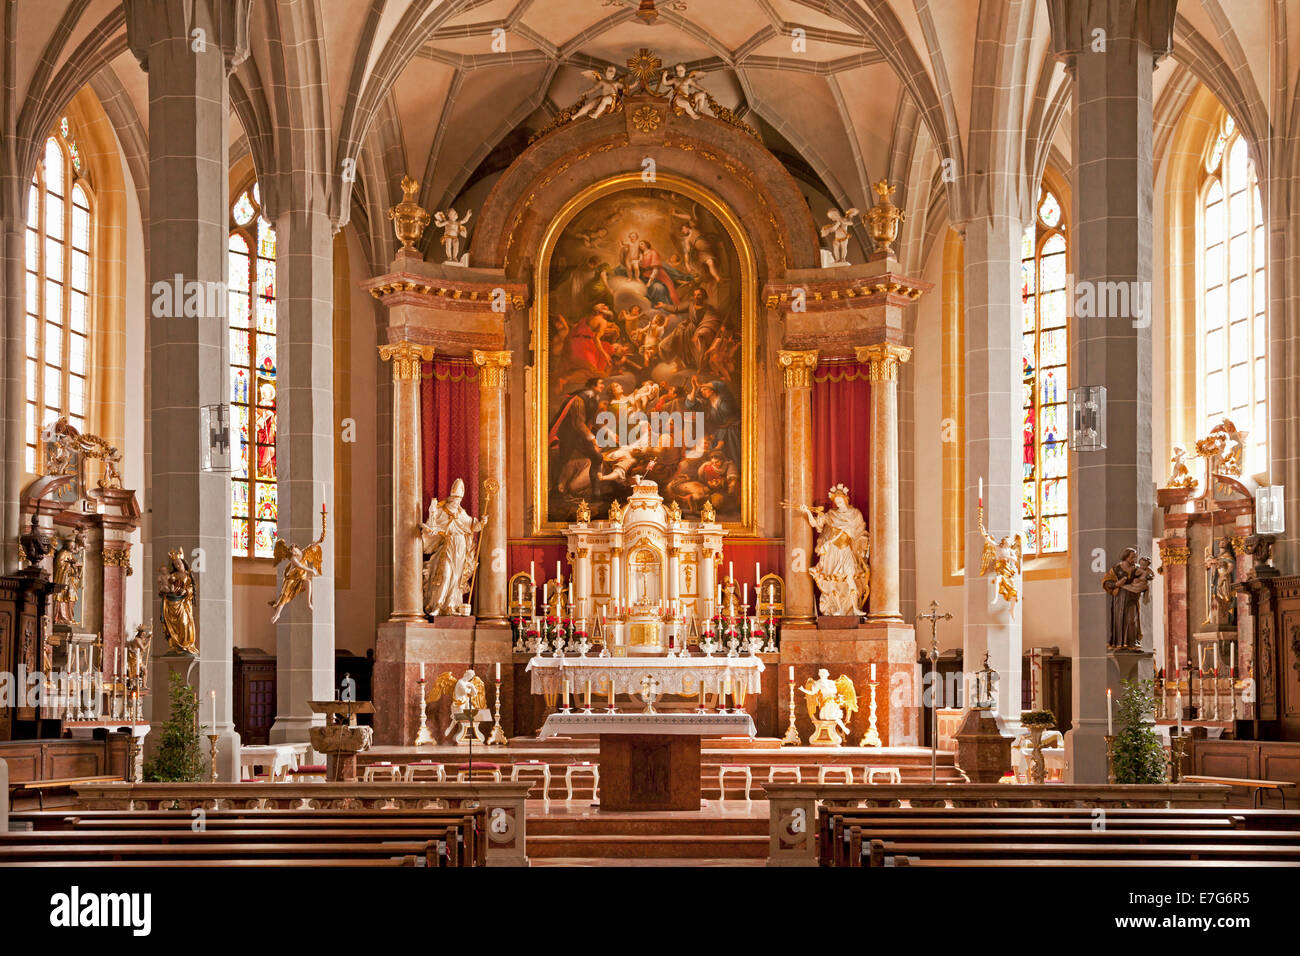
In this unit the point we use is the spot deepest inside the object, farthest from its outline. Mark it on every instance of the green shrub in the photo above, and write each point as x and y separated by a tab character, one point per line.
180	757
1138	753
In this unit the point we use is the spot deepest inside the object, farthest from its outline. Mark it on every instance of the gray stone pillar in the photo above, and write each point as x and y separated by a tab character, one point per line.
1112	490
304	637
189	60
994	432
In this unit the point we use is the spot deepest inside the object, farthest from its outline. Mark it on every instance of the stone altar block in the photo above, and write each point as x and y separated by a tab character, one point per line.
850	650
443	644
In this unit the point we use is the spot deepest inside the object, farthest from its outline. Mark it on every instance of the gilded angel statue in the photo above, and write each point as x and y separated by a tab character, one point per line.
831	705
685	95
1003	559
1179	475
603	96
839	227
304	564
468	697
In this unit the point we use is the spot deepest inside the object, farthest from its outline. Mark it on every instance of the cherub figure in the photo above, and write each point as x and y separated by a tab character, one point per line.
453	231
684	92
604	94
841	224
1003	559
1179	475
304	564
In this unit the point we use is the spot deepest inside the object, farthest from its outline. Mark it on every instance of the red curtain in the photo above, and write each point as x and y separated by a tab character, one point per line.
743	552
449	430
544	551
841	431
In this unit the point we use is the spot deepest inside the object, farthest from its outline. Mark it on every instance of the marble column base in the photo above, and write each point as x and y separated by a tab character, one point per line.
444	644
852	651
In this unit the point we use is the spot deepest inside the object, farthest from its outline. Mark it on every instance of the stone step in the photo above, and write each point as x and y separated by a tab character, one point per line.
648	846
637	825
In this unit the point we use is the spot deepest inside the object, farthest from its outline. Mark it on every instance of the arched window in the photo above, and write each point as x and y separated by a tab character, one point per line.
251	265
1232	314
60	214
1045	498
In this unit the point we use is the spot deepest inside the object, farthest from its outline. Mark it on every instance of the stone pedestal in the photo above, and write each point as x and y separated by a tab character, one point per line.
340	743
891	646
444	644
983	746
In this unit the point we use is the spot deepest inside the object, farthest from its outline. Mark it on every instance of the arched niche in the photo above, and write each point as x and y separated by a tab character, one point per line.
719	157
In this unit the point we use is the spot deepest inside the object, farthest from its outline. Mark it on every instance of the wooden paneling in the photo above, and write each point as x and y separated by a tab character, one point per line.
51	759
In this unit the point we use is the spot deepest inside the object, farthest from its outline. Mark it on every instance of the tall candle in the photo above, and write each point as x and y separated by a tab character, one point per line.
115	670
758	578
498	670
566	692
1175	662
791	673
1232	659
532	571
873	670
213	695
570	596
745	600
730	573
719	595
421	670
981	498
1110	729
588	692
1178	696
557	572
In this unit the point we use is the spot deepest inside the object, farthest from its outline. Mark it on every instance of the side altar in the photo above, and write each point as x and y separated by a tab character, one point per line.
643	572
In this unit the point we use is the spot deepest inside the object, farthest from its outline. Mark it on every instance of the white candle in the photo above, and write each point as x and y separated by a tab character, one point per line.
571	596
498	670
730	573
213	694
1215	647
745	601
421	670
566	692
1178	696
1175	661
1200	658
557	571
758	578
873	671
532	571
719	595
115	670
981	499
1232	658
1110	729
791	673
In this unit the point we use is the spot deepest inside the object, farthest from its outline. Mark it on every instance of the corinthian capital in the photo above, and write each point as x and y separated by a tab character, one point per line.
797	367
406	358
882	360
493	367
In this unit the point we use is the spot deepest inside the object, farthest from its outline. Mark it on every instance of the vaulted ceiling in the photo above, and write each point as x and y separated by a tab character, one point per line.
847	91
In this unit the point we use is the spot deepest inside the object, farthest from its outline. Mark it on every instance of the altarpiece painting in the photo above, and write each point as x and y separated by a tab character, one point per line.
647	358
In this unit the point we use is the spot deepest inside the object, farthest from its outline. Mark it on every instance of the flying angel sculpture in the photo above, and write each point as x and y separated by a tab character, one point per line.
1003	559
304	565
604	94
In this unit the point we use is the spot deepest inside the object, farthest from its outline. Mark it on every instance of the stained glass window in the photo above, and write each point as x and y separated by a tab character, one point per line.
250	260
1045	339
60	229
1234	296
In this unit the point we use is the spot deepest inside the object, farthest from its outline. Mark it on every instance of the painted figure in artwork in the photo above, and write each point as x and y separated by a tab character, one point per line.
645	373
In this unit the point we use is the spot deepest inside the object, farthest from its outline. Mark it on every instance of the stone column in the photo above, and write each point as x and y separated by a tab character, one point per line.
882	361
994	435
492	573
1112	244
408	597
304	658
189	112
797	368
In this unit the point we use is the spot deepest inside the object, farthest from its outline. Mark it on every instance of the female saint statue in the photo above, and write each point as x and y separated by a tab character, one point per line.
843	570
448	539
176	588
67	577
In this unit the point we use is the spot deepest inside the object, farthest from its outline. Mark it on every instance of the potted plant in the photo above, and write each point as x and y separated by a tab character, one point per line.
1137	754
180	754
1036	722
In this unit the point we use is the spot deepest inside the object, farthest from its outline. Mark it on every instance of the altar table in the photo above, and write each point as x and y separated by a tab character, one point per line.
676	675
650	761
281	759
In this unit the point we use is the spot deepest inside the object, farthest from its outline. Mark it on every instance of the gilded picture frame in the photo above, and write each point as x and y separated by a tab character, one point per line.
740	521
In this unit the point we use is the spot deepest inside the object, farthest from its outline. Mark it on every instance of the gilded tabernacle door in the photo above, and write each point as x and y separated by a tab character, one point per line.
646	354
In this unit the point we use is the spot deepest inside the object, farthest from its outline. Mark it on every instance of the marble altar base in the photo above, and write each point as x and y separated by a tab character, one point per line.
444	644
891	646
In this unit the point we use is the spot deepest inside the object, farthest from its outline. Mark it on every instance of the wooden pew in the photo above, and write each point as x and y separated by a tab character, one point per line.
41	791
1152	853
182	854
1257	787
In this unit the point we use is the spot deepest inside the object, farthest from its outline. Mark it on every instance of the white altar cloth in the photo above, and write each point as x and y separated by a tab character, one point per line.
698	725
676	675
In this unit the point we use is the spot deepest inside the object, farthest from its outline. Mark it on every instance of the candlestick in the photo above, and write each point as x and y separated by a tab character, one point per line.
423	735
1110	758
872	737
498	736
791	738
212	756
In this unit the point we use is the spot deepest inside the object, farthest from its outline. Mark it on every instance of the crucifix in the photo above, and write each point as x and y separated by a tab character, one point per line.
934	617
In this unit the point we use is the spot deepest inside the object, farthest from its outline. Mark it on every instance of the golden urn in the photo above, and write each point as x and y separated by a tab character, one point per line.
409	217
883	218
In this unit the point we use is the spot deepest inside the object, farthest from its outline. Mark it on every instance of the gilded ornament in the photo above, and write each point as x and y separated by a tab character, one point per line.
883	359
797	367
176	588
646	119
1179	476
304	565
884	218
409	217
831	705
406	358
1003	559
493	366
